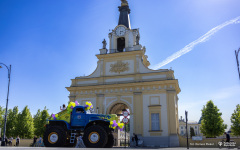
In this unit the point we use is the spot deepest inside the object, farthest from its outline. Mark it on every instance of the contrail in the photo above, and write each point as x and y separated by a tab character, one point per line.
191	45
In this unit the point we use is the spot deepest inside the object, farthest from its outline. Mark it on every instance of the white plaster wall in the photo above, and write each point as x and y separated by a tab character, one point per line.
164	117
130	66
154	76
119	79
107	105
87	82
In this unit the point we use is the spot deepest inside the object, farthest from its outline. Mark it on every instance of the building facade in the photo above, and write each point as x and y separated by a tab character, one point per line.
191	124
122	80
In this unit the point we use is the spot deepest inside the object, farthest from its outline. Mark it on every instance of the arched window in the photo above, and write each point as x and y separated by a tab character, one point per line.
120	44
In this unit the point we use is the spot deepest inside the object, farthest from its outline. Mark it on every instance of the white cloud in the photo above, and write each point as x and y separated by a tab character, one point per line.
202	39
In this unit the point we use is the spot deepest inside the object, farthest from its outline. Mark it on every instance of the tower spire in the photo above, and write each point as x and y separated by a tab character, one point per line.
124	14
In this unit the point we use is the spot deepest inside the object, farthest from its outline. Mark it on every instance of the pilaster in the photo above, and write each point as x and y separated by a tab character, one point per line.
138	113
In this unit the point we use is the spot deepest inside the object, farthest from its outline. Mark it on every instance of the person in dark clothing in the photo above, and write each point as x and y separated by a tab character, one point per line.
34	140
6	141
17	141
136	138
227	137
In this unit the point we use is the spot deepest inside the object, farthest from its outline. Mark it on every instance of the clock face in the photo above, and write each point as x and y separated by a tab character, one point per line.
120	31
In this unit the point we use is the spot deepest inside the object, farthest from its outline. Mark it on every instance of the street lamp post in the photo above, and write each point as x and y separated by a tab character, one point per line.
186	116
236	53
4	129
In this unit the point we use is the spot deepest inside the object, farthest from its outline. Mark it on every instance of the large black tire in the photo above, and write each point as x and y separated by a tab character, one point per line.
110	141
95	137
54	136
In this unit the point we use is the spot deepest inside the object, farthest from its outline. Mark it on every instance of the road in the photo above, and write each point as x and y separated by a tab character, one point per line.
44	148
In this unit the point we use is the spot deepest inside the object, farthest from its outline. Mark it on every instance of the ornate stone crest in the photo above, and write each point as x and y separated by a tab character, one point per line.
119	67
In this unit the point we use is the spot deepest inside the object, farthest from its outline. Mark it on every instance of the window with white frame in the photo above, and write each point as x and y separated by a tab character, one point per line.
155	126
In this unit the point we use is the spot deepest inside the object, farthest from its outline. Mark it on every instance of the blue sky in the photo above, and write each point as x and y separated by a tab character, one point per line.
50	42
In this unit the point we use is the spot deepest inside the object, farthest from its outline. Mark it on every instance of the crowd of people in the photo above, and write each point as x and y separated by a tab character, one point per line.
8	141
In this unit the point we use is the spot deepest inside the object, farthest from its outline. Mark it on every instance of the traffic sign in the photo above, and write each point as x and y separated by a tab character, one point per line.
125	120
125	114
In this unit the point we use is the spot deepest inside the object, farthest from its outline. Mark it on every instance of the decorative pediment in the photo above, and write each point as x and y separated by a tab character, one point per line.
119	66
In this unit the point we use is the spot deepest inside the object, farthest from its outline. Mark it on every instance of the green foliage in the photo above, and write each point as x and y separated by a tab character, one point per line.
235	119
25	127
212	123
2	113
192	133
12	122
39	121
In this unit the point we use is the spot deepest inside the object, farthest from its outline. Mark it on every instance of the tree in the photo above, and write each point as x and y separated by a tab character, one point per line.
235	119
36	121
192	133
12	122
2	113
25	127
212	123
40	121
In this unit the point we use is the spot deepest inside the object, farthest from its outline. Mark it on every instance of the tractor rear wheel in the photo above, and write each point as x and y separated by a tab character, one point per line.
95	137
54	136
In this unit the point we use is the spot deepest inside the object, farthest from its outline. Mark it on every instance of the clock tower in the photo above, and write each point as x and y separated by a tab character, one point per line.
123	38
122	81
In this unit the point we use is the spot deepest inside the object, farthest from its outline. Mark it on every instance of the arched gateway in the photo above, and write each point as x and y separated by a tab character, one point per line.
123	80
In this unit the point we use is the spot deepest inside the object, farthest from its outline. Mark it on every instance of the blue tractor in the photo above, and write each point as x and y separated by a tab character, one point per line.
95	128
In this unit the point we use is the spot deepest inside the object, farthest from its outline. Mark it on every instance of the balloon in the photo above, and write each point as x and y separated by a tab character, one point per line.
71	107
111	122
56	115
76	103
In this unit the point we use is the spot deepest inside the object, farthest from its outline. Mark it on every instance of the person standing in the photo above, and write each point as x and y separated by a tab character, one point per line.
227	137
6	141
136	138
34	141
10	141
17	141
63	108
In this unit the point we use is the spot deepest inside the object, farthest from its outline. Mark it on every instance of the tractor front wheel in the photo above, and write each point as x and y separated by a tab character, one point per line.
95	137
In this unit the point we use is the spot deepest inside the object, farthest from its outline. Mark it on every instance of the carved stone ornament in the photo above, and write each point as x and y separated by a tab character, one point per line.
119	67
